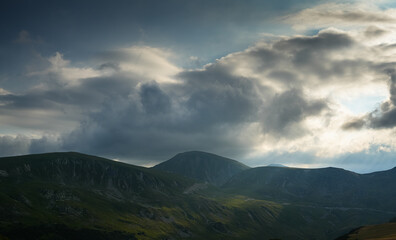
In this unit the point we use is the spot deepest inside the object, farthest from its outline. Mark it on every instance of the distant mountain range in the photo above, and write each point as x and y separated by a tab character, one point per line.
194	195
332	187
276	165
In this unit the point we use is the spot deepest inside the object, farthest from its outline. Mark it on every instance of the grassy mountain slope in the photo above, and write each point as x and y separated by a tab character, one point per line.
77	196
320	187
81	191
203	166
97	198
76	169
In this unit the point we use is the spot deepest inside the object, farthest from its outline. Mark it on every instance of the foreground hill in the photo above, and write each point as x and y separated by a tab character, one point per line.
77	196
332	187
203	166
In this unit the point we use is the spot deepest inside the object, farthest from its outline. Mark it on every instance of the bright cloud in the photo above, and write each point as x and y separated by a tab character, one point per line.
64	72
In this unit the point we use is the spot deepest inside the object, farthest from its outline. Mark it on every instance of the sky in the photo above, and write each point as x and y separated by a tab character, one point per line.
300	83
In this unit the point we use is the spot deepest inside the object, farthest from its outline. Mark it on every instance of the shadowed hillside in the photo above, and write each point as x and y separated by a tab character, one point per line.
64	195
332	187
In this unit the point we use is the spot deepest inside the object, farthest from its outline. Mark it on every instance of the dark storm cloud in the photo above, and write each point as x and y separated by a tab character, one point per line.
265	58
55	108
90	92
312	57
153	121
359	17
386	119
313	54
154	100
32	100
285	77
215	96
324	41
296	61
287	110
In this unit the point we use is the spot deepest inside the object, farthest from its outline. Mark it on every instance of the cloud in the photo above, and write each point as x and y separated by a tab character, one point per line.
375	158
11	146
280	95
4	92
20	145
225	107
284	115
149	63
374	32
60	72
354	124
382	117
339	15
156	120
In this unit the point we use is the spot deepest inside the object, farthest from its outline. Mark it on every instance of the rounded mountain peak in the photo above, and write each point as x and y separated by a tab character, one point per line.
203	166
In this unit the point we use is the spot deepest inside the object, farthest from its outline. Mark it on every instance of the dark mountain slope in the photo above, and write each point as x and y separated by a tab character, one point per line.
61	195
65	195
326	187
76	169
203	166
380	189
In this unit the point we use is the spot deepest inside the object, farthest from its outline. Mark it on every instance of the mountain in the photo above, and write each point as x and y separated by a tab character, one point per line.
76	169
206	167
332	187
276	165
379	189
77	196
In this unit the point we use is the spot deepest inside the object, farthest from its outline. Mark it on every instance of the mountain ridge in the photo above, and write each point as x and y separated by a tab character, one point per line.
203	166
99	197
328	186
